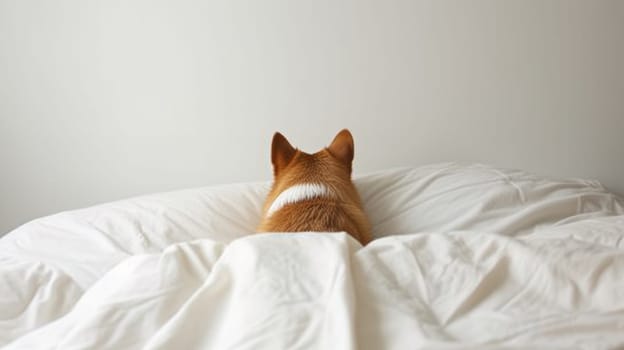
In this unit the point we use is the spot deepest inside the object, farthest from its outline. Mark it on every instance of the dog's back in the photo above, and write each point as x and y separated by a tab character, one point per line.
314	192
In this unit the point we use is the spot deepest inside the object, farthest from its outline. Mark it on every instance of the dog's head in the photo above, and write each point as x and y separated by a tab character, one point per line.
331	165
314	192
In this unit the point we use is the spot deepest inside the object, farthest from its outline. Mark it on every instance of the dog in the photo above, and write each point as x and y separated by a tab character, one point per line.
314	192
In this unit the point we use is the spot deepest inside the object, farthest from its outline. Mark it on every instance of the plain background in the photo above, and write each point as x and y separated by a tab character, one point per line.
101	100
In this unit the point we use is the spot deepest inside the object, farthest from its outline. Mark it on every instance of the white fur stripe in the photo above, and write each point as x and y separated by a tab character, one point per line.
298	193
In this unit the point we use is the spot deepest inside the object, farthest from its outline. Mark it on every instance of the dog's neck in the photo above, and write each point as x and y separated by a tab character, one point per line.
299	193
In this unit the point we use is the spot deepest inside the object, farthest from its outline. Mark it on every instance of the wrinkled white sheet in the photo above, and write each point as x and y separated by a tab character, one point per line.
468	257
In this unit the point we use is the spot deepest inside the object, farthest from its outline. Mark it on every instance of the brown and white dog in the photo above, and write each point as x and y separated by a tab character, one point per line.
314	192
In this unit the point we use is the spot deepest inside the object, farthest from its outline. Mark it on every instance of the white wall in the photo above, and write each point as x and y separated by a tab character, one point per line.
101	100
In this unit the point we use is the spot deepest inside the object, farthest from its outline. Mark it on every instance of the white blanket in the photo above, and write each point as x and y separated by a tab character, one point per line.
531	263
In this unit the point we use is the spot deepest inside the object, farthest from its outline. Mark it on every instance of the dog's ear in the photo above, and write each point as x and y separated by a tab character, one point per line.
342	148
282	152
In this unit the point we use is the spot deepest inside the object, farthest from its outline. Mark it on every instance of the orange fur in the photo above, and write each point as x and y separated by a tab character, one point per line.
330	167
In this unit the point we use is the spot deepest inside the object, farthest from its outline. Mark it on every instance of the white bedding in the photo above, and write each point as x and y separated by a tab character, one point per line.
467	256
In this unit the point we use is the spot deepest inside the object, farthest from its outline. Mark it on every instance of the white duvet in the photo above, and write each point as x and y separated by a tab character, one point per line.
466	256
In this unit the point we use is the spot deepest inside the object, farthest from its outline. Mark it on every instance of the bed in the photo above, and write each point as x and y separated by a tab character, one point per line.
466	256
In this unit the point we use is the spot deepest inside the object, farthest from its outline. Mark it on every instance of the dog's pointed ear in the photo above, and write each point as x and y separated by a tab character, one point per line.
282	152
342	148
